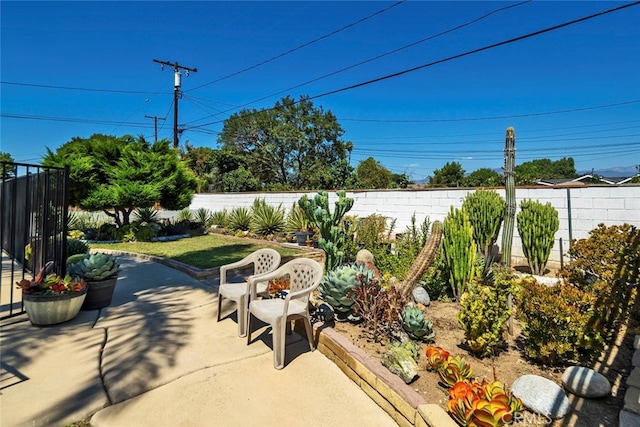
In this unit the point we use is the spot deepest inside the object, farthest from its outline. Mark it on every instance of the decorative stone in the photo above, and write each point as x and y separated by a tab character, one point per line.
400	362
585	382
636	359
634	378
628	419
364	256
421	296
541	395
632	400
636	342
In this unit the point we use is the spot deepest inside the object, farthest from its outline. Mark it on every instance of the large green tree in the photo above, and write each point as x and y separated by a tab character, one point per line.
450	175
533	171
371	174
6	158
119	174
483	177
291	145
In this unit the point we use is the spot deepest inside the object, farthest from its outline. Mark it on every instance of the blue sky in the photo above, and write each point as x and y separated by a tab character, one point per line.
574	91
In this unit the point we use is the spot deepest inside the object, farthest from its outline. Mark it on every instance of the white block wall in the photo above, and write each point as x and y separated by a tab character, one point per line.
580	209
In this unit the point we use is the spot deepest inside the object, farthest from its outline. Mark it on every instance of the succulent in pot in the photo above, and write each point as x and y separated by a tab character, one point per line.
50	298
100	270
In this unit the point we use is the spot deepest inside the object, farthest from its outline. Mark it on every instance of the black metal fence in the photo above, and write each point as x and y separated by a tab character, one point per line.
33	226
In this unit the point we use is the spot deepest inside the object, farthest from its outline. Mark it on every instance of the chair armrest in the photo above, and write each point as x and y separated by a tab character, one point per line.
252	281
224	268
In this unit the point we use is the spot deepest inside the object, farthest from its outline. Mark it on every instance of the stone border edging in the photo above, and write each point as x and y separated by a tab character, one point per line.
398	399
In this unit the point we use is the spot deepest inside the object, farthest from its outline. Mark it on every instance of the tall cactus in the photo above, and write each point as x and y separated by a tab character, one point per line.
459	250
510	192
537	225
333	238
486	212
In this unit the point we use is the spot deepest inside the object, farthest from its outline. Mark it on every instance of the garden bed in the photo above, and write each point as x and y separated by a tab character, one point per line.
510	364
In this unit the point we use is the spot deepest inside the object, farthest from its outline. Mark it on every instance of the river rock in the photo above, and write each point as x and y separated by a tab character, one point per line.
421	296
634	378
636	359
585	382
636	342
541	395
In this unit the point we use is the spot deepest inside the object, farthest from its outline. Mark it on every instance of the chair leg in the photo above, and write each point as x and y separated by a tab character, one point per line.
242	317
249	328
219	305
279	332
307	326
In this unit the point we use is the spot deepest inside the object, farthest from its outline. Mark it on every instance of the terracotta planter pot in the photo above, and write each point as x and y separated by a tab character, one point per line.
46	310
99	294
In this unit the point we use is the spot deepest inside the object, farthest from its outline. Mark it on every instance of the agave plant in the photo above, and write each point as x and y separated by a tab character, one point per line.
147	215
95	267
220	218
415	323
267	219
240	219
337	288
184	215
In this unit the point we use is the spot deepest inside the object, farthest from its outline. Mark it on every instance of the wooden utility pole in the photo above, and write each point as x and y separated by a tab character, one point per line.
176	92
155	126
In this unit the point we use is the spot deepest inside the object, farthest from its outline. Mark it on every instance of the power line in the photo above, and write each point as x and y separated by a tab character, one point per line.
473	21
80	88
72	119
359	21
474	51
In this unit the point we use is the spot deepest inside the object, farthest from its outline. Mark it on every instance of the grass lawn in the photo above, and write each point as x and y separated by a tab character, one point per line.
200	251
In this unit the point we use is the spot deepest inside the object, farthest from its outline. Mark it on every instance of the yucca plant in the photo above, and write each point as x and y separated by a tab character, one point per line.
240	219
202	216
147	215
220	218
296	219
184	215
266	219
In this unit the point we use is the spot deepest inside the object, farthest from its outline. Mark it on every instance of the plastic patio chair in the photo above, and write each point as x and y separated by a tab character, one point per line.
264	261
304	276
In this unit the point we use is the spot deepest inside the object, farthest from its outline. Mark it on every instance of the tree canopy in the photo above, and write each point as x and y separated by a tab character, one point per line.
371	174
6	158
450	175
483	177
534	170
120	174
293	145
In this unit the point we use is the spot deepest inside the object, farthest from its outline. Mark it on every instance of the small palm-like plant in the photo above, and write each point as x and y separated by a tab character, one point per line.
147	215
267	219
240	219
203	216
220	218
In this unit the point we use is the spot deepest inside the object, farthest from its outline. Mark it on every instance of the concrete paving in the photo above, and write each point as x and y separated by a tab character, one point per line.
157	357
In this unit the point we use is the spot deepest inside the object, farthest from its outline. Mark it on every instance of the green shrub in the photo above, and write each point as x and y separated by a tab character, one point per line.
76	234
75	247
127	233
558	322
266	219
606	263
107	232
436	280
484	311
240	219
144	233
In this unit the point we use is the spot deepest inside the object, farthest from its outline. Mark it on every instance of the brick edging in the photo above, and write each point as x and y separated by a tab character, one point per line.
399	400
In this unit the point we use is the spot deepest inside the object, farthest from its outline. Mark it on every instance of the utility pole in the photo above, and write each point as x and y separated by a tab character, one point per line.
176	92
155	125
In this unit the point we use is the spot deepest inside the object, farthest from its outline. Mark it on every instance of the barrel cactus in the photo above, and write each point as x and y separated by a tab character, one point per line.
415	324
95	267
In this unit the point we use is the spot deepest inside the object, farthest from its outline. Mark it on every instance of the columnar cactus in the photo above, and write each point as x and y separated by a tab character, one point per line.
333	238
537	225
95	267
459	250
510	192
486	212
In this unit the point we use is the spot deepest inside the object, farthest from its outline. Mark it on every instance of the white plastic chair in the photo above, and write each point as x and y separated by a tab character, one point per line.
264	261
305	275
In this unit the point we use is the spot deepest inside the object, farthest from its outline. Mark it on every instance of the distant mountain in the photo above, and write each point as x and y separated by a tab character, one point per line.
619	171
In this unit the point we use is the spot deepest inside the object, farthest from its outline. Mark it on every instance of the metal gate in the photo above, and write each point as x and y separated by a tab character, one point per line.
33	226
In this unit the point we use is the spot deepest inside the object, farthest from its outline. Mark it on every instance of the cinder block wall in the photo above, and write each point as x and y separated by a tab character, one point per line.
580	209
